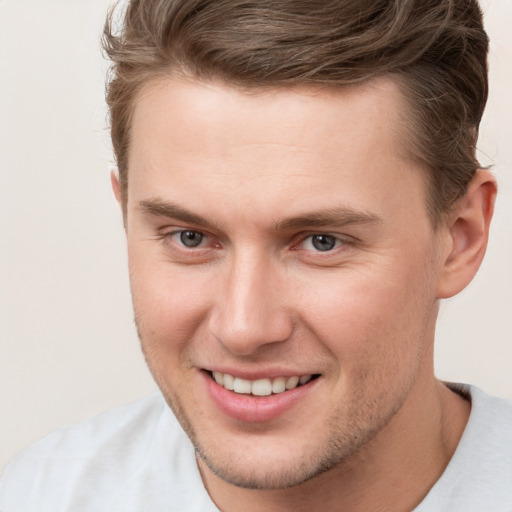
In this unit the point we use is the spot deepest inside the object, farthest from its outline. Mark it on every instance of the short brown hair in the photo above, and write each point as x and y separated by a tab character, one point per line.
437	50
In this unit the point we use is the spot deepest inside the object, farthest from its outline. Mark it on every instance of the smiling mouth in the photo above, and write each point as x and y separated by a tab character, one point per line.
260	387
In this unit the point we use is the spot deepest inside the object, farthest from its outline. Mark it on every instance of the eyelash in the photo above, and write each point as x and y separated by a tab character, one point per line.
341	243
170	236
310	239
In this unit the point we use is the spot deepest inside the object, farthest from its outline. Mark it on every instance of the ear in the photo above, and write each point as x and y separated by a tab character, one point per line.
116	188
466	234
114	180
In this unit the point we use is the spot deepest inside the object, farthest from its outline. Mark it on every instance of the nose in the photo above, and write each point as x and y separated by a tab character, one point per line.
251	309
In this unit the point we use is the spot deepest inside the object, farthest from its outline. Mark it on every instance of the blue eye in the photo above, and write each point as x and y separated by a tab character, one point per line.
191	239
323	242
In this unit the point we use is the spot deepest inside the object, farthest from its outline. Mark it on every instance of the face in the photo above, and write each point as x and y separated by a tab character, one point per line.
283	271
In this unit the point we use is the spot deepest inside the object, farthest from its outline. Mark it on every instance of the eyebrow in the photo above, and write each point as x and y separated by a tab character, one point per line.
159	208
335	217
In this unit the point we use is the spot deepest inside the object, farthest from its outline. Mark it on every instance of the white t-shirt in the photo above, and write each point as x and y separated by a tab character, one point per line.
138	459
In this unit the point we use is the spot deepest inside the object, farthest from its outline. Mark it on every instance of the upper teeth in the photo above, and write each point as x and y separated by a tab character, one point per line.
260	387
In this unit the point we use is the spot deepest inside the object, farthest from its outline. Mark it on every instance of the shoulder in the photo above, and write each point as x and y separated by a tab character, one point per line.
488	433
85	439
109	462
478	476
484	405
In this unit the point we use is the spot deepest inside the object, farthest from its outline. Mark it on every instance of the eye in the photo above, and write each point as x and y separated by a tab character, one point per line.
321	242
189	246
189	238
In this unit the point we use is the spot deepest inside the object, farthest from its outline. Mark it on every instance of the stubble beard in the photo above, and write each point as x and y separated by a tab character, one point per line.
340	451
351	428
348	435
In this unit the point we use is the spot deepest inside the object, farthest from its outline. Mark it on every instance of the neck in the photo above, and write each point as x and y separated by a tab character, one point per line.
392	472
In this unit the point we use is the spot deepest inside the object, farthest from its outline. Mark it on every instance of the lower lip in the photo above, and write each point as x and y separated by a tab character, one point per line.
250	408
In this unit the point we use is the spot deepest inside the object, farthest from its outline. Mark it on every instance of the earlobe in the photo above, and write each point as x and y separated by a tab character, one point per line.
467	234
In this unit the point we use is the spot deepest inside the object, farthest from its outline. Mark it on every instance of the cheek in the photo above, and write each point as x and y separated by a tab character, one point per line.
369	320
170	303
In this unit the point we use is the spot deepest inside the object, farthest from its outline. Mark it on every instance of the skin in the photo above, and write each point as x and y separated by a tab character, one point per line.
255	177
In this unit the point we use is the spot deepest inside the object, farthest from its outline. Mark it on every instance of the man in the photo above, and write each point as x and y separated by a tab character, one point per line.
299	188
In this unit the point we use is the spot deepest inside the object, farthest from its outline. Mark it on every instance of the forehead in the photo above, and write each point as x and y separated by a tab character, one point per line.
361	109
266	148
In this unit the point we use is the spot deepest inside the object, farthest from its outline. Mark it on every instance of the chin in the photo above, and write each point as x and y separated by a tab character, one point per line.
266	458
267	475
271	463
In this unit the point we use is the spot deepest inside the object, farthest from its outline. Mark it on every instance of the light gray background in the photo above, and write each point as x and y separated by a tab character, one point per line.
68	348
